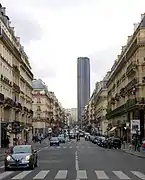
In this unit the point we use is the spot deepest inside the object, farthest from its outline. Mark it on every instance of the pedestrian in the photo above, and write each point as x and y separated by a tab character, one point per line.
7	142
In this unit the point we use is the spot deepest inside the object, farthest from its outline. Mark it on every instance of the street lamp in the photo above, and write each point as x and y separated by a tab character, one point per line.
26	129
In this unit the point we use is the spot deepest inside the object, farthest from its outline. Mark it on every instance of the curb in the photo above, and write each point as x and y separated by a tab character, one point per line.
131	153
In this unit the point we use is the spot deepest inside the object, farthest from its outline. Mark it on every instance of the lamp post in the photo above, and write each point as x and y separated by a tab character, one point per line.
26	129
136	138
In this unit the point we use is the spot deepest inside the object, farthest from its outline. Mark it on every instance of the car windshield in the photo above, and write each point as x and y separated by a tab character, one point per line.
21	149
54	138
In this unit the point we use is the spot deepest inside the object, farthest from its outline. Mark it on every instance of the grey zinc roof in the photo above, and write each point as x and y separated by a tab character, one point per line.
38	84
142	24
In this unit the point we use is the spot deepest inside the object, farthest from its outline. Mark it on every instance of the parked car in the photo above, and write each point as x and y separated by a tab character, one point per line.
21	156
54	141
114	142
101	139
95	140
61	138
105	143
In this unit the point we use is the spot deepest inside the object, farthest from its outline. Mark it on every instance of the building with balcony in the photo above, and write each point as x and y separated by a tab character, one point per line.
126	84
42	107
100	103
47	111
94	115
88	116
15	97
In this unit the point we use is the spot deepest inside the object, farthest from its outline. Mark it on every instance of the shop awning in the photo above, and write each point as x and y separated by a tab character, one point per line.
113	129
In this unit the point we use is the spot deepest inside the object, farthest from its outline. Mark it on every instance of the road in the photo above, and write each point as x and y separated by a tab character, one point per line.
79	161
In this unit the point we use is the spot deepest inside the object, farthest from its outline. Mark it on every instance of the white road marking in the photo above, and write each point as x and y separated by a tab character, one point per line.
138	174
76	161
58	147
21	175
62	174
41	175
64	147
101	175
70	147
81	174
6	174
120	175
2	167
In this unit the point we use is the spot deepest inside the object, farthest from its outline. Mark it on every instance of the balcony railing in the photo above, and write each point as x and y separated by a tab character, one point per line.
16	69
16	87
131	69
130	104
141	41
2	98
9	102
18	106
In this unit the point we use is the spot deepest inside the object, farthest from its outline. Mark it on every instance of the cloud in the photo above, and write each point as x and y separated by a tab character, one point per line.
102	60
26	26
57	4
45	72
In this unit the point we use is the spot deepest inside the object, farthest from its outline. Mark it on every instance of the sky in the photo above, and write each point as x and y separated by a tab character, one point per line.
55	32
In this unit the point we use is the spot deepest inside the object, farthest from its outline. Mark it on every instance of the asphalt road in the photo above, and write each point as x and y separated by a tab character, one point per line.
79	161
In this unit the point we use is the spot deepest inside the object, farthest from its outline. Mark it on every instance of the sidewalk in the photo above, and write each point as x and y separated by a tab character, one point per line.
2	153
130	150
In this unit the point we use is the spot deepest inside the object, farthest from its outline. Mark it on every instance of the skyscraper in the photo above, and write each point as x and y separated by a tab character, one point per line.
83	84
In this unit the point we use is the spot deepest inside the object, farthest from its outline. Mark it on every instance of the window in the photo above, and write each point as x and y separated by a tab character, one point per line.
38	115
38	108
38	100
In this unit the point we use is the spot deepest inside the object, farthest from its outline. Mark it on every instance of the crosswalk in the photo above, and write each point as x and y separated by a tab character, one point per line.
80	174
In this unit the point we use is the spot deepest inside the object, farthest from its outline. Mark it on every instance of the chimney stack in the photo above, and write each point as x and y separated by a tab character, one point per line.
129	38
12	30
123	48
18	39
135	26
118	56
3	10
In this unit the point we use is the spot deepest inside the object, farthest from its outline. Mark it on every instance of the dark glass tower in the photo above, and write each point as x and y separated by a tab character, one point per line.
83	84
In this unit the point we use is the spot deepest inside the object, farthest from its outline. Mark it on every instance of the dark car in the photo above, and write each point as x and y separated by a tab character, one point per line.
54	141
114	142
21	156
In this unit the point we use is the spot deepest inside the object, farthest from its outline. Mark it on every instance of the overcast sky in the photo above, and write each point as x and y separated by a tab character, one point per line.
56	32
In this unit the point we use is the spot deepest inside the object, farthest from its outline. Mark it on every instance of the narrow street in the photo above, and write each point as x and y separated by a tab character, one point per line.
81	160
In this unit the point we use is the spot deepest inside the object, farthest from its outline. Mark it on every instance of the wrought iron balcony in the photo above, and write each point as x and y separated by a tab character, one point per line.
131	69
9	102
2	98
16	88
